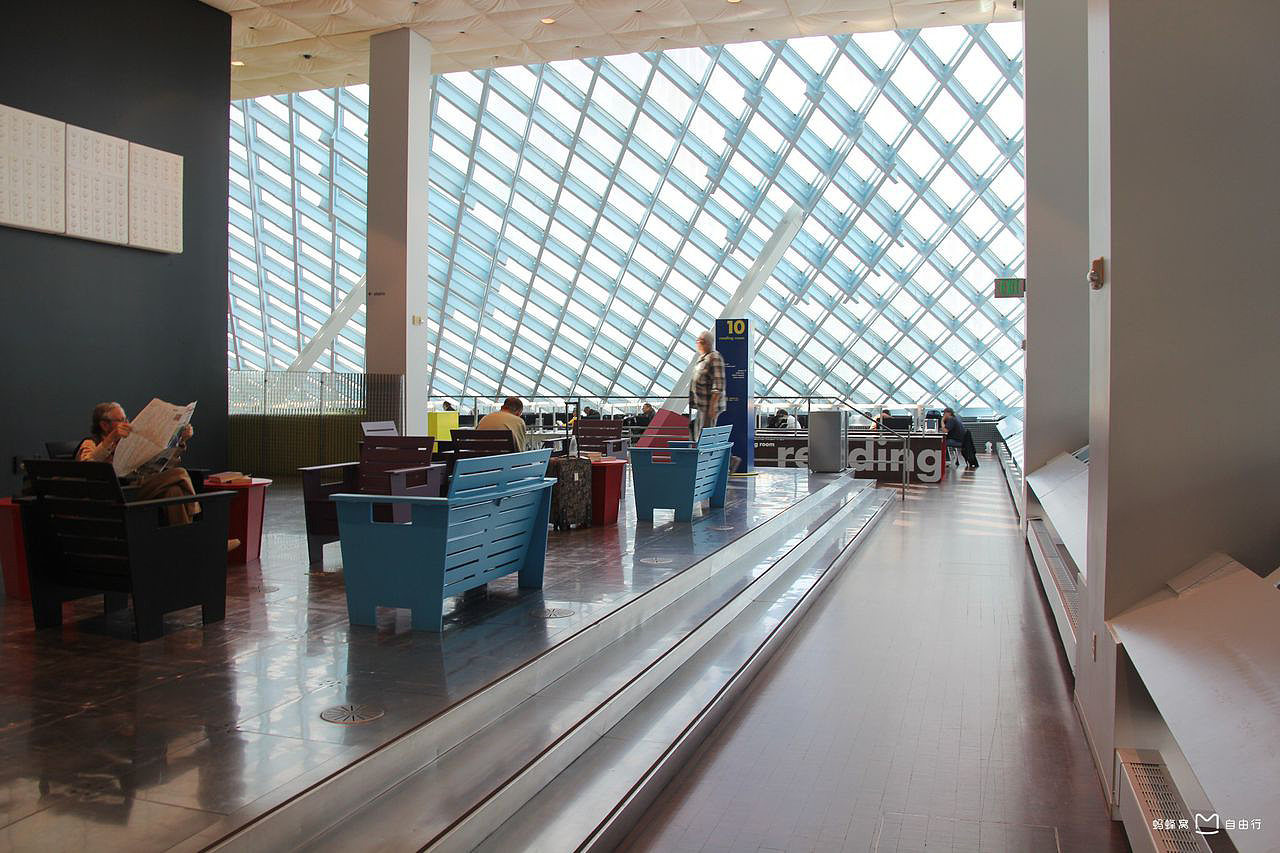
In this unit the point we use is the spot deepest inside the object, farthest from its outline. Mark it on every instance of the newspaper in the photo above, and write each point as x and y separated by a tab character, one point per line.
153	441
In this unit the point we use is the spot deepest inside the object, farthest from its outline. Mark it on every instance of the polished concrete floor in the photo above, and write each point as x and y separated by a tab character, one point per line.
923	704
107	744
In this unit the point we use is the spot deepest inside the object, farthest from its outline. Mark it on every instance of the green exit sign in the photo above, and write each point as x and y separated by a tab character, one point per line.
1011	288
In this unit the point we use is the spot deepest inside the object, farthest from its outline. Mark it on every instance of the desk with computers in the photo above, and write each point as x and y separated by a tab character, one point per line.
877	449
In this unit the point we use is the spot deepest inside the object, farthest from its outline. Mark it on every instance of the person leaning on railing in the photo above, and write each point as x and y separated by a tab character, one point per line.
109	425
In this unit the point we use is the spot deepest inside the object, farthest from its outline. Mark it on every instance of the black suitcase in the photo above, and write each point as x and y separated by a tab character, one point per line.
571	495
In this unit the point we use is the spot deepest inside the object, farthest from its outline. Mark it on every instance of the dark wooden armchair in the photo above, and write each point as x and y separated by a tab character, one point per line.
388	465
605	437
473	443
483	442
63	450
84	538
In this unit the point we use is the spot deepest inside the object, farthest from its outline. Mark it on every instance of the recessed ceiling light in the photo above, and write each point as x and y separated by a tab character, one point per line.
548	20
237	63
735	1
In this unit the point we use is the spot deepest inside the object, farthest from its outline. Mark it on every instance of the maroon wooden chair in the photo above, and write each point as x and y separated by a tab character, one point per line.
388	465
605	436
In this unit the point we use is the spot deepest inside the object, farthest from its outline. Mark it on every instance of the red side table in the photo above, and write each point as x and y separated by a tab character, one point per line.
246	517
607	477
13	551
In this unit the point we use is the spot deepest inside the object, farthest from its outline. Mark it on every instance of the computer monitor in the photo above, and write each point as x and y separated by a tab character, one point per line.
898	422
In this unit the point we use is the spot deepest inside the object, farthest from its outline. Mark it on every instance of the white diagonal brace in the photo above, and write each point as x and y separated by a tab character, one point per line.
752	283
324	336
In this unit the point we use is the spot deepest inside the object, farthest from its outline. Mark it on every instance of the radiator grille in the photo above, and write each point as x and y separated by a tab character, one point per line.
1064	578
1160	801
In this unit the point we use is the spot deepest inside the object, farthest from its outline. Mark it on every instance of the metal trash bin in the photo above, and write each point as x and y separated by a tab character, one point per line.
828	442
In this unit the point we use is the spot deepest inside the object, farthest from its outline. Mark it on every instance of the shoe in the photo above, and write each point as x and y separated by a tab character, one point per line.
232	544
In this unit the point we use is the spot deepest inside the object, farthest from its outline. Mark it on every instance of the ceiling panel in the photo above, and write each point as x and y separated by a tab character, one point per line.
294	45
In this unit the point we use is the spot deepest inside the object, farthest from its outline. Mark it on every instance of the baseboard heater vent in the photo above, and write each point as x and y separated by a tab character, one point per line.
1059	582
1147	795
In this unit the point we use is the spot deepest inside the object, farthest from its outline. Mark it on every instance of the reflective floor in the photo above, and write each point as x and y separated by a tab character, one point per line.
108	744
923	704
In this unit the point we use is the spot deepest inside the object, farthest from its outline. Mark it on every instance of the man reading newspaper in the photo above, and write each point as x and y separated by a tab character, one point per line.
145	451
154	439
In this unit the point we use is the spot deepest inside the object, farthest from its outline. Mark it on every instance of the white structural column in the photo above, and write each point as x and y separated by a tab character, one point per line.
1057	359
1183	343
399	144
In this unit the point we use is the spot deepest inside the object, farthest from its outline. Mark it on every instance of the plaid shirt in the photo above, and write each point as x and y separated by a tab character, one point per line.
708	377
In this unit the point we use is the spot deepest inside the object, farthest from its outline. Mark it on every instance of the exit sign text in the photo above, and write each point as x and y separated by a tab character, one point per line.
1010	288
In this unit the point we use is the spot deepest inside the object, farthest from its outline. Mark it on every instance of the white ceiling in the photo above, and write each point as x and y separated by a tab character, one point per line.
295	45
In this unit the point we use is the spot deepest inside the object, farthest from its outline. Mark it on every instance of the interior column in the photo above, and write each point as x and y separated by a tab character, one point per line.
399	141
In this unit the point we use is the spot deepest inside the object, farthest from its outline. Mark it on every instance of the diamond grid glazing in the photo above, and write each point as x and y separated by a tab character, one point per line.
589	217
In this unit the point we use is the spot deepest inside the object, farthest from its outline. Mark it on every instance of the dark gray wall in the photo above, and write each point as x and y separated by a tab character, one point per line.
82	322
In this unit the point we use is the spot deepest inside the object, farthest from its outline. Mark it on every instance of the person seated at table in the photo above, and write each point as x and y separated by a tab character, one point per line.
646	415
508	417
110	424
782	419
881	418
958	437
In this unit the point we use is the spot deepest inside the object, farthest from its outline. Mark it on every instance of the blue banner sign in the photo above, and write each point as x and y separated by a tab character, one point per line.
733	342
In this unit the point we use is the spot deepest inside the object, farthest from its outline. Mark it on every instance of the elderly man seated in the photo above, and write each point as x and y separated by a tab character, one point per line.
110	424
508	417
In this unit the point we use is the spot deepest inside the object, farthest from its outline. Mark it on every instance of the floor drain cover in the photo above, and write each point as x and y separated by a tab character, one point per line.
552	613
351	715
655	561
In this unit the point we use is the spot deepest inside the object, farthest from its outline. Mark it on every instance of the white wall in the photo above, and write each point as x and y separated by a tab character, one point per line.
1057	360
1185	207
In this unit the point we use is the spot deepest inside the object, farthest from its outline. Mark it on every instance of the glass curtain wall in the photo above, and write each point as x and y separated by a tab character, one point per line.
589	217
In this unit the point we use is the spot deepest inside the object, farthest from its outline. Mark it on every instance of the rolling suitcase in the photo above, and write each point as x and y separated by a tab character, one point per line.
571	495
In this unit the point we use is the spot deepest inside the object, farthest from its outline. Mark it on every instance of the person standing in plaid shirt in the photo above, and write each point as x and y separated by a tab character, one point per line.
706	394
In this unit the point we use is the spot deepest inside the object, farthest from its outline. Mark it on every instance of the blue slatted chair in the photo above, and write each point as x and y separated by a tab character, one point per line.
492	523
681	474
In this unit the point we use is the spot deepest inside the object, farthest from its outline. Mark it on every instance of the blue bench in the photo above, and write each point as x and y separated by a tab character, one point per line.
492	523
681	474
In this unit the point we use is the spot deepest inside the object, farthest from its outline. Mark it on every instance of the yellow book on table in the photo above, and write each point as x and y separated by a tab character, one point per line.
440	425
